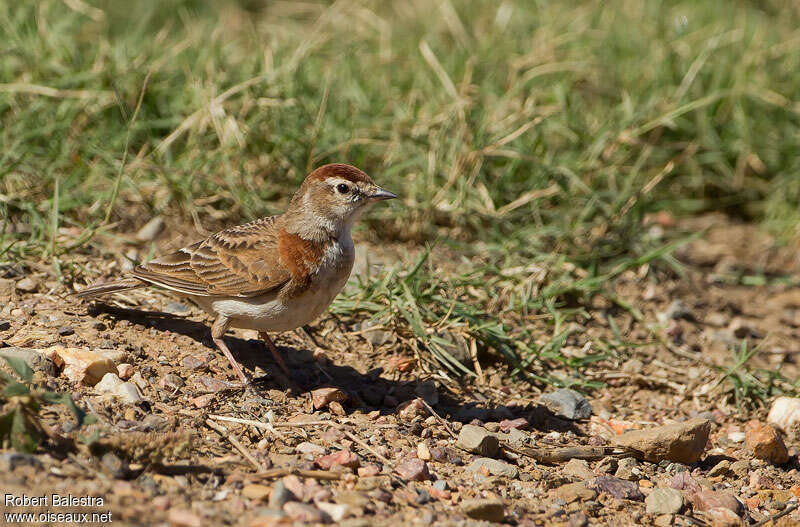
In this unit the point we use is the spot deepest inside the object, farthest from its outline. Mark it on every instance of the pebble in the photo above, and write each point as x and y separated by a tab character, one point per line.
720	469
344	458
664	501
575	491
484	509
35	360
279	495
507	425
495	467
618	488
784	413
256	492
194	362
411	409
7	288
579	469
212	385
740	468
125	371
736	437
628	468
112	385
413	470
680	442
723	517
705	500
310	448
114	465
477	440
578	519
423	452
302	512
567	403
81	365
336	511
765	443
322	397
66	331
150	230
368	470
28	285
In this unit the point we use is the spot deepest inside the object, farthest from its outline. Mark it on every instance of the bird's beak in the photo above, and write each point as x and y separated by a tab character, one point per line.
381	194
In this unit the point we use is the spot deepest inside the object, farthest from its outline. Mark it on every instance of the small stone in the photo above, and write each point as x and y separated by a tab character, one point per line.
411	409
212	385
7	288
112	385
486	509
664	501
578	469
723	517
35	360
369	470
567	403
632	366
310	448
737	437
665	520
575	492
495	467
279	495
114	465
125	371
413	470
740	468
784	413
680	442
66	331
628	468
423	452
705	500
684	481
344	458
28	285
302	512
82	365
507	425
5	325
336	511
765	443
322	397
10	461
194	362
256	492
618	488
184	518
477	440
722	468
150	230
578	519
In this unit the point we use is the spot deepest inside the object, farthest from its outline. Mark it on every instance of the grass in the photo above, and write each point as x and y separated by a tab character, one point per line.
530	137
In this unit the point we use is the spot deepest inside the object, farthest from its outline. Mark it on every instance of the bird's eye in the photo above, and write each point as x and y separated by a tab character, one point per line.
341	188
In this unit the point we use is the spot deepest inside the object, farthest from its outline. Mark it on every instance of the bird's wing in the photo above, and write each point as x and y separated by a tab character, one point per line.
241	261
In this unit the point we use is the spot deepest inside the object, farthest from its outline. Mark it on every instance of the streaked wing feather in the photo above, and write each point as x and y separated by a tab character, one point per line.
240	261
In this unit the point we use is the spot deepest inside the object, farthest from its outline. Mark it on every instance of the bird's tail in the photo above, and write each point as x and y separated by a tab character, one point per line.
105	288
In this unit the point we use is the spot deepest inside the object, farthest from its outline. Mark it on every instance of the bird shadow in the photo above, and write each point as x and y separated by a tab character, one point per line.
369	391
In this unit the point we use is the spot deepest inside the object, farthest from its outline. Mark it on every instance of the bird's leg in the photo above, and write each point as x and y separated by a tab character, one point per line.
217	331
275	353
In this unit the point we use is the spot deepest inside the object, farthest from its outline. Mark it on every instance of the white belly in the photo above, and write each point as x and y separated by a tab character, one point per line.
272	313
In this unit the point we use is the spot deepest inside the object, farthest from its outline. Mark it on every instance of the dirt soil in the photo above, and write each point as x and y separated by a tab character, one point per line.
173	458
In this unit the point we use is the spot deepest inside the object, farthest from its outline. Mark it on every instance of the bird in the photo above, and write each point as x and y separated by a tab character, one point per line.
273	274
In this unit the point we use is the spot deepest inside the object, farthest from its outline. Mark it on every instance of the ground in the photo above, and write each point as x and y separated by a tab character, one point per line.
188	391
